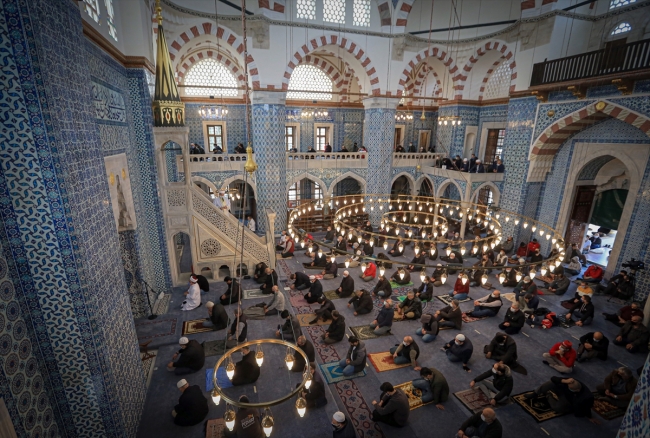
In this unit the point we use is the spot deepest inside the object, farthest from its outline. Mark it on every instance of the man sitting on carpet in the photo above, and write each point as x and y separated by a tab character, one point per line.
430	328
260	273
298	361
355	359
189	359
624	314
383	287
503	349
499	388
514	320
336	330
450	316
525	286
487	306
461	290
622	289
232	294
560	285
192	295
583	311
315	290
271	280
347	286
425	291
393	406
325	312
410	308
459	350
511	277
330	235
192	407
483	424
289	249
529	303
401	276
420	259
395	251
566	395
217	317
561	357
246	370
434	387
300	281
277	304
618	387
362	302
331	268
290	330
593	344
314	395
343	428
633	335
384	320
369	273
593	274
247	422
406	352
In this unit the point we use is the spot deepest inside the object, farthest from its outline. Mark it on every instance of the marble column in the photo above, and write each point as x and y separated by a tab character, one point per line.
378	135
269	118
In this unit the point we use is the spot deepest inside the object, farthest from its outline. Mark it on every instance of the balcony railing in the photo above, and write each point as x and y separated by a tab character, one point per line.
408	159
463	176
620	59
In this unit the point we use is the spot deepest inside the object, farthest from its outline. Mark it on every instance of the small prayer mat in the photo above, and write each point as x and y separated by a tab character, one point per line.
606	409
396	285
215	428
195	326
414	395
364	332
331	295
222	379
537	407
475	400
384	362
447	299
214	348
468	318
305	318
254	293
403	297
510	296
148	363
566	323
298	301
333	373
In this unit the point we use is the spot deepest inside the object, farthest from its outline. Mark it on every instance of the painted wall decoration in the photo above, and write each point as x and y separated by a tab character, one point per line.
119	185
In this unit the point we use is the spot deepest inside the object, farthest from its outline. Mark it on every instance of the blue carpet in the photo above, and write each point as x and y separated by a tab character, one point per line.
333	373
222	378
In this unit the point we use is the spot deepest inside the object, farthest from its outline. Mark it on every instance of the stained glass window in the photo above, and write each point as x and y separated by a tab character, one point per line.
310	79
210	72
621	28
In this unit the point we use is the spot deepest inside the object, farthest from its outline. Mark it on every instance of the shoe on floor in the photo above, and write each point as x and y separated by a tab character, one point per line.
545	362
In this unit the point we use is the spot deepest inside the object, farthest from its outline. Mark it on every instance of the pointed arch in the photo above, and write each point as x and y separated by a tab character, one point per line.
200	55
545	146
408	176
414	86
402	14
420	181
445	184
496	193
311	177
226	182
498	46
354	176
434	52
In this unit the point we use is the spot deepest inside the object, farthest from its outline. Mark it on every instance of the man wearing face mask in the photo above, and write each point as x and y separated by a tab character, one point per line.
566	395
434	387
459	350
633	335
499	388
384	320
503	349
487	306
347	286
561	357
343	428
593	344
425	291
583	311
511	277
393	406
315	290
618	387
483	424
407	351
514	320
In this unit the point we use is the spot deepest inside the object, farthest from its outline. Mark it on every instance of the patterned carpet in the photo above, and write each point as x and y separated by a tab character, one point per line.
161	306
148	365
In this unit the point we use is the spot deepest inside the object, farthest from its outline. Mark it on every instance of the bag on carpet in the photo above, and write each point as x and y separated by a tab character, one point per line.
541	311
487	286
550	321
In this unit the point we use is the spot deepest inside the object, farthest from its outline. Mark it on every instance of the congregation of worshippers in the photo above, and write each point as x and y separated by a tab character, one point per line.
510	298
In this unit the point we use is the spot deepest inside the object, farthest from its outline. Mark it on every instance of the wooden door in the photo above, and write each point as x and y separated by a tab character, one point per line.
613	56
398	138
579	220
491	146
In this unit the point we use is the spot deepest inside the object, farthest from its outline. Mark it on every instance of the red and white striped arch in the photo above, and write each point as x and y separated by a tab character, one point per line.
434	52
344	43
402	14
488	74
498	46
235	41
414	85
343	83
546	145
188	61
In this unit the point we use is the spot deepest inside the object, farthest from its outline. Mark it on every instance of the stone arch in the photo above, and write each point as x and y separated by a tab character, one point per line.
434	52
545	146
441	188
225	34
496	193
488	74
186	64
420	181
408	176
234	178
345	43
311	177
354	176
402	12
498	46
207	182
346	80
385	15
414	86
338	78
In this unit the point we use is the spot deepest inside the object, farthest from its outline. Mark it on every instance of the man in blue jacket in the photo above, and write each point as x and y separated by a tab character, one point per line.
384	321
459	350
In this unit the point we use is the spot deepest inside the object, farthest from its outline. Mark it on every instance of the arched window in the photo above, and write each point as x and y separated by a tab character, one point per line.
210	72
621	28
498	84
92	8
618	3
309	78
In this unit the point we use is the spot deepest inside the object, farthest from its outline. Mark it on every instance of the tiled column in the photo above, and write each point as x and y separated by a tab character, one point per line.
269	117
452	137
378	135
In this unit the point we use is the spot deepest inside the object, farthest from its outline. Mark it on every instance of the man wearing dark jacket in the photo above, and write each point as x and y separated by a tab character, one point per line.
315	394
315	290
459	350
189	359
583	311
300	281
232	294
246	370
502	348
450	316
624	314
331	269
217	317
343	428
499	388
398	278
407	351
290	330
336	330
514	320
271	280
633	335
383	288
618	387
410	308
434	387
325	311
298	361
566	395
593	344
247	423
425	291
341	245
393	406
260	273
346	288
192	407
355	359
485	421
384	319
362	302
330	235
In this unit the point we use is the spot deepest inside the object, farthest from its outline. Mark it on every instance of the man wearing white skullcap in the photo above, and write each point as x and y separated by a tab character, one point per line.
192	295
192	407
222	202
189	359
315	290
346	288
459	350
342	427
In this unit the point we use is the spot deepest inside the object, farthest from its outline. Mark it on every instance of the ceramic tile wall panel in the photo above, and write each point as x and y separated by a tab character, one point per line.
642	86
640	104
69	247
133	274
378	134
636	422
489	114
453	137
235	124
560	110
347	187
555	96
414	126
604	91
326	175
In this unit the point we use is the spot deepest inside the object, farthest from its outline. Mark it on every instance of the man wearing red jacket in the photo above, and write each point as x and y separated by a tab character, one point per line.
533	245
593	274
561	356
370	273
461	291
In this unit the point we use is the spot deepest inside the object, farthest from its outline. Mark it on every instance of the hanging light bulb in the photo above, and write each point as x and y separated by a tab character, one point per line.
543	270
289	358
381	271
401	275
415	219
516	221
426	221
296	239
463	250
259	356
424	234
309	379
310	247
320	252
410	233
400	247
347	263
463	279
541	232
507	218
551	267
301	406
518	276
448	250
229	418
484	278
410	207
387	228
302	244
363	266
350	236
532	272
422	276
558	263
359	239
267	423
443	277
435	234
372	242
548	237
525	225
416	250
385	244
397	231
534	228
492	245
216	397
433	251
502	277
553	240
230	369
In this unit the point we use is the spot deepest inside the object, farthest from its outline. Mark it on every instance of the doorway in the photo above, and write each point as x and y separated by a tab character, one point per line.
183	253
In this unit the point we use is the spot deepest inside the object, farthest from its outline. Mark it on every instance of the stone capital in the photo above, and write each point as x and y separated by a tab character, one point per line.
269	97
381	102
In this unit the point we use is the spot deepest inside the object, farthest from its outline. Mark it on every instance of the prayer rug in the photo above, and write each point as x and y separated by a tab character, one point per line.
467	318
313	268
395	285
566	323
194	326
331	295
222	379
403	297
305	318
359	410
214	348
413	394
333	373
546	279
251	294
363	332
300	301
148	364
510	296
537	407
384	362
447	299
162	305
155	328
215	428
475	400
606	409
284	266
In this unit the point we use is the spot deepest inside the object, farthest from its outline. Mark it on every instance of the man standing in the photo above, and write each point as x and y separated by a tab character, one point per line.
355	359
406	352
192	295
192	406
561	357
393	406
434	387
222	202
189	359
384	320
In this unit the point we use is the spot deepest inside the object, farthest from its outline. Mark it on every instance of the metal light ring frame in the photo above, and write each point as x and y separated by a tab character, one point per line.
229	353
